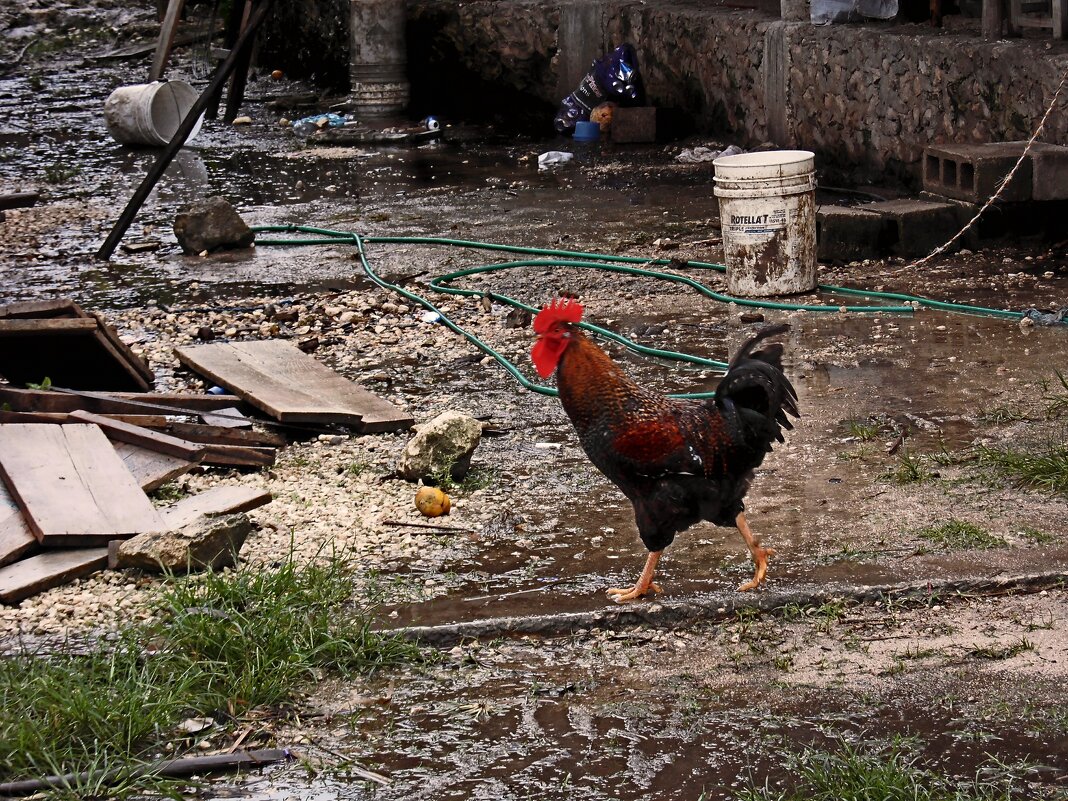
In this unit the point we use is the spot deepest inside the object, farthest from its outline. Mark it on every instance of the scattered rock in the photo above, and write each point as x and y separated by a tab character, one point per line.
445	443
211	225
206	542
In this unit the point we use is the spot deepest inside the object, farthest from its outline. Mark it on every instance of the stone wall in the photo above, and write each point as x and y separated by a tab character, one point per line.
864	97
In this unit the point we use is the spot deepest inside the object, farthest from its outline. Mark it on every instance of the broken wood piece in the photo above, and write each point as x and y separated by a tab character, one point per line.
145	420
16	539
19	200
61	341
151	469
71	485
186	766
291	386
219	500
145	437
238	455
231	417
46	570
222	435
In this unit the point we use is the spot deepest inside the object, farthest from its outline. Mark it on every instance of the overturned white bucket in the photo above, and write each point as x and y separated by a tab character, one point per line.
767	209
149	113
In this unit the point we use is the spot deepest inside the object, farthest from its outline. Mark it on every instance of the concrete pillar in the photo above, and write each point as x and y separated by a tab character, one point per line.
579	40
378	58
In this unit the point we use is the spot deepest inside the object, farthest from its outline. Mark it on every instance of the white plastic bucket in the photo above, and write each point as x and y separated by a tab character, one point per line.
149	113
767	209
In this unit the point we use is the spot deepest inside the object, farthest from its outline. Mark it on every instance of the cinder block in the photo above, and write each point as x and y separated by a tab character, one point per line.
973	172
1049	164
845	233
916	226
634	124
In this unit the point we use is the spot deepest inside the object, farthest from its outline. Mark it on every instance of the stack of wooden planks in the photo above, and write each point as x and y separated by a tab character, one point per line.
66	491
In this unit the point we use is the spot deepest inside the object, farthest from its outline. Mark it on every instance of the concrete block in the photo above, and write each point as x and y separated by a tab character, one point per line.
634	124
916	226
845	233
1049	164
973	172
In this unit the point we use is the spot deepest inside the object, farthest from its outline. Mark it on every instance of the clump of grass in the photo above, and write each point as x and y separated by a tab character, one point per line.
1037	536
476	478
1044	468
888	773
224	643
864	430
956	535
1056	401
910	469
1004	413
999	652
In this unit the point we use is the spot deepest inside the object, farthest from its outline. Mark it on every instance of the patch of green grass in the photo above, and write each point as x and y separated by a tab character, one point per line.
1003	413
871	773
1044	467
910	469
222	645
1056	401
60	173
170	492
864	430
955	535
476	478
358	467
999	652
1037	537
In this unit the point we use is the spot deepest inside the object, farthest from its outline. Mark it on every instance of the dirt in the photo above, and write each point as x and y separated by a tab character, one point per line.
638	712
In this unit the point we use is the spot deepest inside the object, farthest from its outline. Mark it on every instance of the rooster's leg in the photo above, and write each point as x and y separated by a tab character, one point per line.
760	553
644	583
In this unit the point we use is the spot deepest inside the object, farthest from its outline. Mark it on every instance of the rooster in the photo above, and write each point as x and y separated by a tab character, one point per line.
678	461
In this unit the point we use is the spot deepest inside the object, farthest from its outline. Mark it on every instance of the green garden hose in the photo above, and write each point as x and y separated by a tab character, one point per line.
594	261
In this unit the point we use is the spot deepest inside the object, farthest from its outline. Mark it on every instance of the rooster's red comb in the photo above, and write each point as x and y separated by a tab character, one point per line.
559	310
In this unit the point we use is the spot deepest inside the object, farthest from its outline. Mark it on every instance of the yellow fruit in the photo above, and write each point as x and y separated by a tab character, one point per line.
432	502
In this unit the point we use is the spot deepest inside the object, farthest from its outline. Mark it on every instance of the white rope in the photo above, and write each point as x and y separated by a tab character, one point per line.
1004	181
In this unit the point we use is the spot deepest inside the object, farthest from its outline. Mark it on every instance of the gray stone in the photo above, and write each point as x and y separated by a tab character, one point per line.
211	225
445	443
205	542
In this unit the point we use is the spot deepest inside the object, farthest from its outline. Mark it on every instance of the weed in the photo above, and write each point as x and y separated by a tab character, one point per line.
858	454
1057	402
60	173
476	478
1044	468
222	644
872	773
956	535
999	652
1037	537
170	492
909	470
864	430
998	415
358	467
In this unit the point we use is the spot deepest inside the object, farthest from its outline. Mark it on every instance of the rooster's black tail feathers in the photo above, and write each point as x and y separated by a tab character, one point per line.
757	387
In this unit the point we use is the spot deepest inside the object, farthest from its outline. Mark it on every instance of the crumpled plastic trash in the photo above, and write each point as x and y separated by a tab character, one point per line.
315	122
1047	318
698	155
554	158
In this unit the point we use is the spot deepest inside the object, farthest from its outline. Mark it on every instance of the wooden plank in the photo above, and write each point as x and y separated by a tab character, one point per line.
53	307
44	571
222	435
291	386
145	420
221	500
111	339
230	417
35	400
145	437
18	200
16	539
239	455
75	326
151	469
72	488
166	39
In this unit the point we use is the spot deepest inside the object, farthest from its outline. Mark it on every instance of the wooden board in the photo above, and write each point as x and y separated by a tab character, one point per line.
44	571
222	435
35	400
71	485
291	386
145	437
16	539
222	500
239	455
149	468
76	326
143	420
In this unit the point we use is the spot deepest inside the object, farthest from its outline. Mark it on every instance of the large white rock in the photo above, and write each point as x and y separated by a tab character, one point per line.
445	443
205	542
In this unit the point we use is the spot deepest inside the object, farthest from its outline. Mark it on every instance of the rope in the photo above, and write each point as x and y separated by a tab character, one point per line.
1002	186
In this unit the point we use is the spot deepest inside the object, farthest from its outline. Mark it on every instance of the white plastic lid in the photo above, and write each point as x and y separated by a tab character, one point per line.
766	164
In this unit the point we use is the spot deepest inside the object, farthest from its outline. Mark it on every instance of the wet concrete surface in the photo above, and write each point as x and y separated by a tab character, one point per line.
576	719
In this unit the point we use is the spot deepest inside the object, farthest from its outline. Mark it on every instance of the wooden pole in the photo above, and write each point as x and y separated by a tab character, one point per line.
166	39
172	148
993	18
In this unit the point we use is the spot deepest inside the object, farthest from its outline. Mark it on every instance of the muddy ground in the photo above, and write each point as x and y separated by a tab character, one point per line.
653	710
